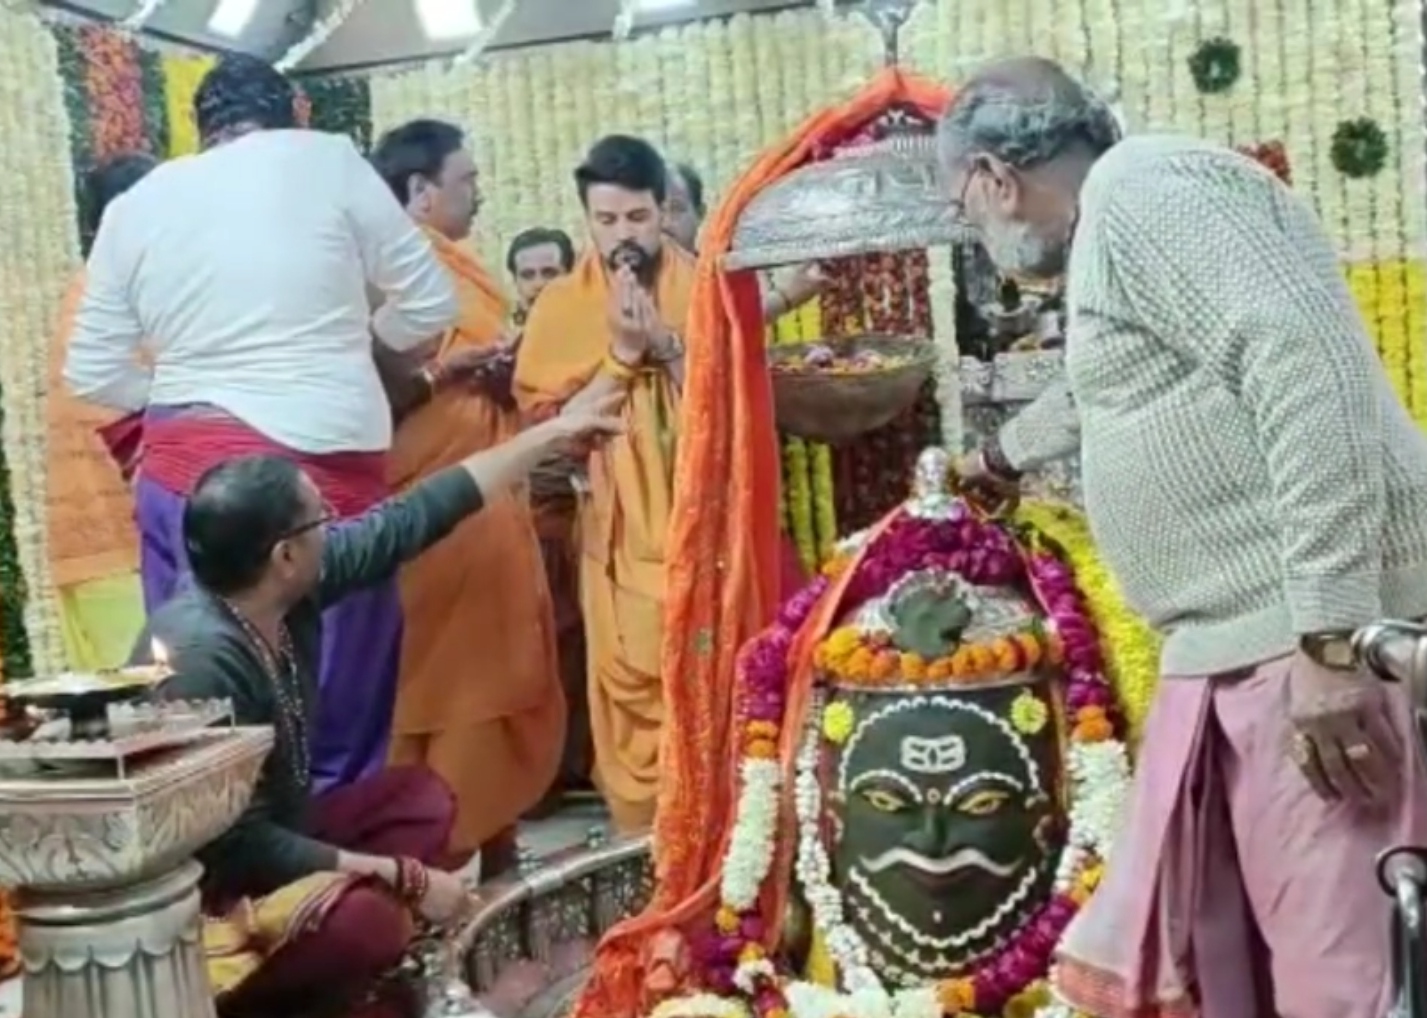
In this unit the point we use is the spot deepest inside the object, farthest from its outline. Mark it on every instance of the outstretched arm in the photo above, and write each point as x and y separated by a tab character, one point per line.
1046	430
372	547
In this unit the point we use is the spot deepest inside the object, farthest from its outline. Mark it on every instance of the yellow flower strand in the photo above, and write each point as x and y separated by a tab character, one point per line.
1392	297
1131	648
182	76
798	492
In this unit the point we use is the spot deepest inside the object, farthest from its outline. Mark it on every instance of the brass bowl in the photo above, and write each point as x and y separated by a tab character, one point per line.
833	407
85	697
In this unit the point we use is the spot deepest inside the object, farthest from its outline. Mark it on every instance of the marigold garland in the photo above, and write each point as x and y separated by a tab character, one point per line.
850	657
1131	648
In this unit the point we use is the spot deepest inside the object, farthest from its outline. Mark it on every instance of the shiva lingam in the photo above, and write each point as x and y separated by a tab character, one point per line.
959	776
1397	652
104	797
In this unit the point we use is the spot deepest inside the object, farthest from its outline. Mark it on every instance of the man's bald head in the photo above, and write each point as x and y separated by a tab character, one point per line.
1024	112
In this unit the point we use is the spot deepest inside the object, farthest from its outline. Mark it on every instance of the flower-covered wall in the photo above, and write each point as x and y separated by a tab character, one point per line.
1245	72
71	96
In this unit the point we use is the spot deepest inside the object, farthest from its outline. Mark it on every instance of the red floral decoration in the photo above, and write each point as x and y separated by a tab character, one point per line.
1273	156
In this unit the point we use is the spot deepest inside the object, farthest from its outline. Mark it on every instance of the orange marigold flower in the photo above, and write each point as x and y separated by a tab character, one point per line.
762	729
762	749
1092	713
913	667
859	664
751	952
1005	654
940	669
956	995
885	665
726	919
1030	647
1093	730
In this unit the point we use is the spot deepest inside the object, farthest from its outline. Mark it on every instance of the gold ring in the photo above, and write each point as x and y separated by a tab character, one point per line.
1302	750
1358	751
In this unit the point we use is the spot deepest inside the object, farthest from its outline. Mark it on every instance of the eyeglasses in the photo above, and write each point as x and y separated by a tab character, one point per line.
326	516
958	204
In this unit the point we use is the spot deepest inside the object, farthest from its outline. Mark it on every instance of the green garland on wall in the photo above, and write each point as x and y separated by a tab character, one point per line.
15	656
342	106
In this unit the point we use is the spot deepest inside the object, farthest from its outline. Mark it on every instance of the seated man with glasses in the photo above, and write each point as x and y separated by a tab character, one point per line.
314	897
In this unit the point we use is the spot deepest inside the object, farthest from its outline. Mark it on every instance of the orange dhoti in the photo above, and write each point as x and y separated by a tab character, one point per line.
479	698
623	521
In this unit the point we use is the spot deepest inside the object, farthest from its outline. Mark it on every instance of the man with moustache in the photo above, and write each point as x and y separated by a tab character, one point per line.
535	259
478	698
1259	493
612	327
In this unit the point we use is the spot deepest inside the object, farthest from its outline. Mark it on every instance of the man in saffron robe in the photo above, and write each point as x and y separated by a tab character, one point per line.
478	698
535	259
94	549
1260	492
244	270
612	327
314	896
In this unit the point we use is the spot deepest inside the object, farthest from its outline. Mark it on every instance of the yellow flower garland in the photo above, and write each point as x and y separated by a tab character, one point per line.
1392	296
1131	648
182	76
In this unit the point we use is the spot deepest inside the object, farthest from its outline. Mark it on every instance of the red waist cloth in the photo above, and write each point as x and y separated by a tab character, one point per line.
178	450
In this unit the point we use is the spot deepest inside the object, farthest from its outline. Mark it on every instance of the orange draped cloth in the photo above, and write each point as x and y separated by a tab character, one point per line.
624	523
479	698
721	583
89	511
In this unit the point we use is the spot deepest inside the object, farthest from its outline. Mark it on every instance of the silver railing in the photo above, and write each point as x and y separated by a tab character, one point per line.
1396	652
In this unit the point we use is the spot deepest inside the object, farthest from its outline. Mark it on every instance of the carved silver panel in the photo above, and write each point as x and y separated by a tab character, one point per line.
70	832
882	197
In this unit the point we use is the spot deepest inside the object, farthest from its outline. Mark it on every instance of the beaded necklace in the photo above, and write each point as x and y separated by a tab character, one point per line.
281	666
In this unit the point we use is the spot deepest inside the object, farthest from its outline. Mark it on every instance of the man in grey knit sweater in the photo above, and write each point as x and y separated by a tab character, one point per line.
1259	493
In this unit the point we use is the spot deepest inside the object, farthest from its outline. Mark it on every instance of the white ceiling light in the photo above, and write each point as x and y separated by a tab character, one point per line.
232	17
651	6
443	20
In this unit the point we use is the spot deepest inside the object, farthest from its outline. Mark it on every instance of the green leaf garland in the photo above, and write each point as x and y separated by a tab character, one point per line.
1216	65
1359	148
342	106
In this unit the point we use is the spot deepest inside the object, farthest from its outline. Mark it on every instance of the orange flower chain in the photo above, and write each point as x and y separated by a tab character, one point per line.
851	657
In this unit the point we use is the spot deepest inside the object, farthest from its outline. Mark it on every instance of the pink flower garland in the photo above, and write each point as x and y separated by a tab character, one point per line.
984	553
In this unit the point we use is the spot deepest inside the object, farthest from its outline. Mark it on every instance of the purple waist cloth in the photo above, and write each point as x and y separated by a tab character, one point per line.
361	646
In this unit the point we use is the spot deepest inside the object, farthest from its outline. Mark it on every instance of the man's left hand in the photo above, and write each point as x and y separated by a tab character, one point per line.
1343	739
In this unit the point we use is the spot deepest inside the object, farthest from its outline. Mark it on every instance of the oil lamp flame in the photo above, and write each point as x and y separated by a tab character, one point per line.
158	653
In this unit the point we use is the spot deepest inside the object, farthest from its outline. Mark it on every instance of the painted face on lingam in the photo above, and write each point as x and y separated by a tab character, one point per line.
942	819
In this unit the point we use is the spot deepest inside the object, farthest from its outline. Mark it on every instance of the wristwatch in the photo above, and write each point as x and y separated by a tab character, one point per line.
1331	650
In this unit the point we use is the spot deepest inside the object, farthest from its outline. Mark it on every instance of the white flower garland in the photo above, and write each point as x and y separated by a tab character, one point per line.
36	194
755	828
941	295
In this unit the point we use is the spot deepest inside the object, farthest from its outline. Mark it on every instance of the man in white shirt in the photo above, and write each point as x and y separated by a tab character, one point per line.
244	272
